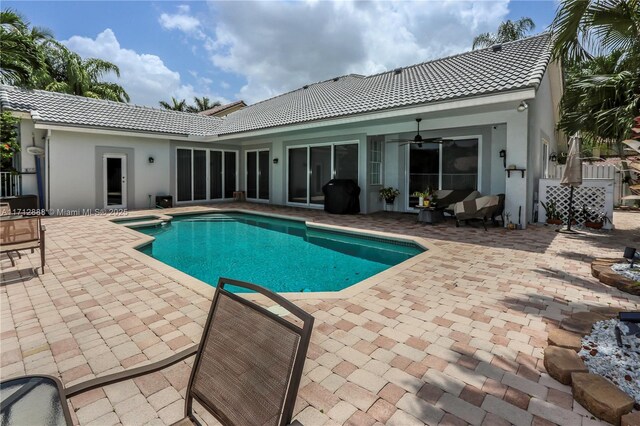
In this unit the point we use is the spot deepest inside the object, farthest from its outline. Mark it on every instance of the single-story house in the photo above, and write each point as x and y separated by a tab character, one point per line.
494	108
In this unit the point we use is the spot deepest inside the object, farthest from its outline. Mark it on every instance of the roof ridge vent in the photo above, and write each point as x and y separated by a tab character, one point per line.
336	79
305	87
496	47
397	70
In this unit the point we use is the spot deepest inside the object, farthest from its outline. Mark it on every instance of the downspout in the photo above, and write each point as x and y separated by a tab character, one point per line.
48	168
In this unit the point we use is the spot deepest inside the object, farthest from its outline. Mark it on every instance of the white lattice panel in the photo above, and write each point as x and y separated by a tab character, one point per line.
595	194
596	171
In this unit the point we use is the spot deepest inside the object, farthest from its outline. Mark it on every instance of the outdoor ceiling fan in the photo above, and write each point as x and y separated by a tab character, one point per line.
419	140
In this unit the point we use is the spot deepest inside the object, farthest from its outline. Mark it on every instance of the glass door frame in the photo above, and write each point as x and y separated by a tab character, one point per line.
246	174
123	180
208	173
410	208
333	168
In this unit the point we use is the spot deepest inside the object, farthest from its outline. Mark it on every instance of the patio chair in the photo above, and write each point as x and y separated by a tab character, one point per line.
247	368
447	198
24	233
499	211
479	209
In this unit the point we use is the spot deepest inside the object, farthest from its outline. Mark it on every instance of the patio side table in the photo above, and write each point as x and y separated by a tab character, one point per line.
430	215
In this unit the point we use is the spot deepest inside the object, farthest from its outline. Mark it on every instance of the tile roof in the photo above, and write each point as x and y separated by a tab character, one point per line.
517	65
63	109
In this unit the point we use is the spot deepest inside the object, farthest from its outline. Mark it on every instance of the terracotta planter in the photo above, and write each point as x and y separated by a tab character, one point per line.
594	225
554	221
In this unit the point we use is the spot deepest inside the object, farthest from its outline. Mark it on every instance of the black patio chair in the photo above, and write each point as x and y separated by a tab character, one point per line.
247	368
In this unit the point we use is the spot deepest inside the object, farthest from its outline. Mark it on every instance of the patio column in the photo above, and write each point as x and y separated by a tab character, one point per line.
516	197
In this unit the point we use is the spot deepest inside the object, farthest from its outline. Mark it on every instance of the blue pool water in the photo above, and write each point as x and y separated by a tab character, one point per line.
282	255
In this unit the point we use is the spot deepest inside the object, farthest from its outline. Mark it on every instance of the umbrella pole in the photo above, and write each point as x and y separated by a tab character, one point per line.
570	209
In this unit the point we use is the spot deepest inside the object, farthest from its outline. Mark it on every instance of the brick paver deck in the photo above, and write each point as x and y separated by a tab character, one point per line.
455	339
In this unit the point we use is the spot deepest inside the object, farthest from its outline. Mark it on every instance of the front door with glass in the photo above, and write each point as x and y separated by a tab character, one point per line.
115	181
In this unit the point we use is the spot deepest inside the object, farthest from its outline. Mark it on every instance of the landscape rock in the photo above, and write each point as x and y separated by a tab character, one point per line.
564	339
602	398
561	363
581	322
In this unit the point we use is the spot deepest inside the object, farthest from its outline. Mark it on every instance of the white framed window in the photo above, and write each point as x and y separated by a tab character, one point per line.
545	158
375	160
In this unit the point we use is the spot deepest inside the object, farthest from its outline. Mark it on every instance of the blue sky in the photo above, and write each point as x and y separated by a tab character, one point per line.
255	50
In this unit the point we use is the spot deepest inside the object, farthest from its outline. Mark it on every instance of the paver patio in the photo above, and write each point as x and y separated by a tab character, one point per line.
454	339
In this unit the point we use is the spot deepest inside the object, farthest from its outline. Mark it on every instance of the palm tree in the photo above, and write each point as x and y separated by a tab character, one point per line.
603	94
507	31
21	49
32	58
175	105
600	99
582	28
69	73
600	42
202	104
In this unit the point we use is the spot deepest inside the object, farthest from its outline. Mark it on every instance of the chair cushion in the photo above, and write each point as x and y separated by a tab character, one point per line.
478	208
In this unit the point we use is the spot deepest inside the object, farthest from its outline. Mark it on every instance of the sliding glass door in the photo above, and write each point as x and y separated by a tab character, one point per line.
257	174
205	174
452	164
309	168
319	173
298	175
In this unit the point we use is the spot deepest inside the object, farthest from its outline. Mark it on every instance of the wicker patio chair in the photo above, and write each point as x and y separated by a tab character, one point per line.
25	233
247	368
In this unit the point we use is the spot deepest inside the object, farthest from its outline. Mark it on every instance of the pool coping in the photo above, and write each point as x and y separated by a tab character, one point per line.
207	290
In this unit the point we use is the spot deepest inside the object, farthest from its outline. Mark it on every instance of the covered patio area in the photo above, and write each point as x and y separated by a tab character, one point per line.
456	338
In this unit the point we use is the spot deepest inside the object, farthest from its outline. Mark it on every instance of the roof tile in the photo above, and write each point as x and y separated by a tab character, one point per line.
518	65
63	109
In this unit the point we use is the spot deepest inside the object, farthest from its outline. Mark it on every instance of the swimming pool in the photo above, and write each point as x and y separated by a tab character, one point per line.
282	255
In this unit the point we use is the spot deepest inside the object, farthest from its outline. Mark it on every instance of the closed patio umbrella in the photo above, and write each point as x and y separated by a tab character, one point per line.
572	174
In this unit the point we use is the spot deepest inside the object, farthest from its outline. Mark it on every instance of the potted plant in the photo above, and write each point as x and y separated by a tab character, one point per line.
389	194
507	219
425	198
595	219
554	217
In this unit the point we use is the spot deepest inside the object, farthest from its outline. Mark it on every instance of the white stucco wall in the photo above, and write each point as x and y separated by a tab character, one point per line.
72	176
542	123
488	124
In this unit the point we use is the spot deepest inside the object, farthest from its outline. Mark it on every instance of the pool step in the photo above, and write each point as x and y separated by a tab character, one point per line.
144	223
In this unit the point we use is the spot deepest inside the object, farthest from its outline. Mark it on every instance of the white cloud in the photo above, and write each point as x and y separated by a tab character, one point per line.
279	46
145	77
182	21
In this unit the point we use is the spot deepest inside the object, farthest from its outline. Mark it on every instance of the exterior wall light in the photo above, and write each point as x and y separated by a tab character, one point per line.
503	155
275	161
523	105
151	160
553	157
